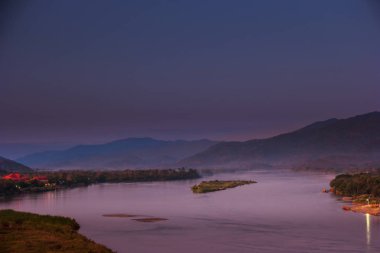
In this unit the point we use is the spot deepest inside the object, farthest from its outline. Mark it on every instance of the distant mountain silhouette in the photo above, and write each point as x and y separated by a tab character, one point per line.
7	165
120	154
347	142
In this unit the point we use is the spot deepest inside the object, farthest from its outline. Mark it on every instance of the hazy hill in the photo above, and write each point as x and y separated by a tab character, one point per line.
7	165
120	154
346	142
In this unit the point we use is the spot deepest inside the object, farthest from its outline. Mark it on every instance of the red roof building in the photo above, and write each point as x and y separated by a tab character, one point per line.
43	179
16	177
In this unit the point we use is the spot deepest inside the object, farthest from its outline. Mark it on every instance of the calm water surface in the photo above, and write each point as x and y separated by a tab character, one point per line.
283	212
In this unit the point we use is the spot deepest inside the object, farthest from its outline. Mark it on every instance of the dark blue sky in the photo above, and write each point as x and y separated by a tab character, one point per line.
89	71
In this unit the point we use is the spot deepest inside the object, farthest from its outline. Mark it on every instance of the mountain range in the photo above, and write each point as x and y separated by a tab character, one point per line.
347	142
120	154
7	165
339	143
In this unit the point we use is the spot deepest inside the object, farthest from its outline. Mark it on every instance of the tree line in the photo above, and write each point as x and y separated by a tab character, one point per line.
357	184
65	179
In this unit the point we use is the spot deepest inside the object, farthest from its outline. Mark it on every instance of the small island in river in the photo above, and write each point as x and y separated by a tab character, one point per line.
140	218
152	219
216	185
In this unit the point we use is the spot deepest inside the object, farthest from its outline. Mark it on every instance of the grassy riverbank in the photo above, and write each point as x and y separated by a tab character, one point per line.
32	233
216	185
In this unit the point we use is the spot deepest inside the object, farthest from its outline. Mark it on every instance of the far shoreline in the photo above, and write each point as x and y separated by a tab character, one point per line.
15	183
360	190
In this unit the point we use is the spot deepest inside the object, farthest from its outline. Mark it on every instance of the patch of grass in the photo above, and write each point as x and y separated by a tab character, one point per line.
33	233
216	185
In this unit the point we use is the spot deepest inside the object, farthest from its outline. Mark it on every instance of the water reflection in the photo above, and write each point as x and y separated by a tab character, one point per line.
272	216
49	198
368	226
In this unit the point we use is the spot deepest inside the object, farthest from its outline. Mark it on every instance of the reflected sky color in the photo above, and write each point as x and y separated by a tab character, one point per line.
283	212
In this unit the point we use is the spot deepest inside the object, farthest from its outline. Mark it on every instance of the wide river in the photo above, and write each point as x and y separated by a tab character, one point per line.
283	212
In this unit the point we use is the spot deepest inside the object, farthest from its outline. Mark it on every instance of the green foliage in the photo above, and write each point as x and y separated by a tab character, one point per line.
216	185
12	216
8	187
70	178
357	184
64	179
33	233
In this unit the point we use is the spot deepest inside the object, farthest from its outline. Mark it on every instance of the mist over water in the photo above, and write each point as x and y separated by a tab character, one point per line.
283	212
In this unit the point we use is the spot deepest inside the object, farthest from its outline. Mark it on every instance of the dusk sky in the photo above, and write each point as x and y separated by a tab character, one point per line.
92	71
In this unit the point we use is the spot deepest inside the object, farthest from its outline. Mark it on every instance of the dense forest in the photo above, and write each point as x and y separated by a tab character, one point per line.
65	179
357	184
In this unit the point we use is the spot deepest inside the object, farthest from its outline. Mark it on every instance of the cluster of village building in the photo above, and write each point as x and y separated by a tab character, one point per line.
17	177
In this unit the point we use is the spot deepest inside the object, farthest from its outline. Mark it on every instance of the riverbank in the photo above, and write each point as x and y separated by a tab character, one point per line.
223	220
361	190
55	180
373	209
33	233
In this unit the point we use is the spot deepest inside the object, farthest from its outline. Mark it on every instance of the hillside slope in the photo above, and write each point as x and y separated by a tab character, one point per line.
120	154
357	137
7	165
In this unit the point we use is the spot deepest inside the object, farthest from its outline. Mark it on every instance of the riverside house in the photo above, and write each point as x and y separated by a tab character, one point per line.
17	177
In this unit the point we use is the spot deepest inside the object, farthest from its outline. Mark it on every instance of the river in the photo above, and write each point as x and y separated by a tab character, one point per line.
283	212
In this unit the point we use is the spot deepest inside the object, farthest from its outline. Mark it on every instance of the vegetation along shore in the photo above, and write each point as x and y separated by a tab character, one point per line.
33	233
216	185
47	181
361	190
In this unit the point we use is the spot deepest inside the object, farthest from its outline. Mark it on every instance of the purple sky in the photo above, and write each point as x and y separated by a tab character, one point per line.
91	71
